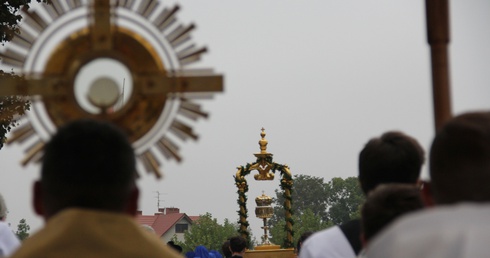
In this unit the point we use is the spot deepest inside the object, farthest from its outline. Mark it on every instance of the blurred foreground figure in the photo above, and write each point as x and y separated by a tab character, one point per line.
392	158
225	249
384	205
88	197
460	174
8	240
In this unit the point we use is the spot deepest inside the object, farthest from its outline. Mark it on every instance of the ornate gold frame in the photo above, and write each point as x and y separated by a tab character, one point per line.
266	168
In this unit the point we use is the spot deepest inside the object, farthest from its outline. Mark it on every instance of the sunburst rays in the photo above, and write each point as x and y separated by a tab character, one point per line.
176	35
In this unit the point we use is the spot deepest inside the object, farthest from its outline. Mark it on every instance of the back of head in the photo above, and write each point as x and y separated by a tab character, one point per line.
460	160
172	245
386	203
238	244
225	248
392	158
87	164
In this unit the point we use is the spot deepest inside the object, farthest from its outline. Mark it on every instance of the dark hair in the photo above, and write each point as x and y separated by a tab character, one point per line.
302	239
460	159
386	203
88	164
392	158
225	248
172	245
238	244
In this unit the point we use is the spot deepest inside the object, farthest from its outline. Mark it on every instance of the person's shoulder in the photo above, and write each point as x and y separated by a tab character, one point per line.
440	216
412	223
325	233
4	226
8	240
330	242
416	234
117	236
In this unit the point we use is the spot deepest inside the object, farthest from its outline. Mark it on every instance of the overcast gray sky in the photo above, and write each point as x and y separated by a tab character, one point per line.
321	76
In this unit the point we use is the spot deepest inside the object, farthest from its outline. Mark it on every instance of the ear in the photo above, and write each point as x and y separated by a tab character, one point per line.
426	192
132	205
37	198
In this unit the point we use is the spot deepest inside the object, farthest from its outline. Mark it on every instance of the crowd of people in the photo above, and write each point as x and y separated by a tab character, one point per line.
88	197
394	157
405	217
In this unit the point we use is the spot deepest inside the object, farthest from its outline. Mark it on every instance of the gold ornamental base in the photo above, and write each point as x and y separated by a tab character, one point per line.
264	252
267	247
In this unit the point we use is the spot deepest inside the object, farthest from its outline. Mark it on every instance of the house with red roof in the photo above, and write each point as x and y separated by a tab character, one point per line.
167	222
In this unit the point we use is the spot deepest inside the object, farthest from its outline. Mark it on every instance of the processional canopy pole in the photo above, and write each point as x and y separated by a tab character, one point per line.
437	12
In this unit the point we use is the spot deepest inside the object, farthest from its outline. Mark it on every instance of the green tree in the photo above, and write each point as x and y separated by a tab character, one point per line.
22	230
11	107
344	198
208	232
309	206
308	193
317	205
10	17
306	221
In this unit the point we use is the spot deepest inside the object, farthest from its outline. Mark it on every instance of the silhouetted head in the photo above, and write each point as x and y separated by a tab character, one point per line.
460	160
225	248
87	164
386	203
172	245
238	244
392	158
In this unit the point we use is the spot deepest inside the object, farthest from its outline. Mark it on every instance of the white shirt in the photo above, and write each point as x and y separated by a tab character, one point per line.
330	242
8	240
455	231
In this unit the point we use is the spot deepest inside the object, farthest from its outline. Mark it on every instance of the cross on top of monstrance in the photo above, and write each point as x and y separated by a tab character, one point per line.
126	62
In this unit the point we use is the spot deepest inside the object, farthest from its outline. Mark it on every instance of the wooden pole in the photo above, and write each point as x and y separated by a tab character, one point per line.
438	38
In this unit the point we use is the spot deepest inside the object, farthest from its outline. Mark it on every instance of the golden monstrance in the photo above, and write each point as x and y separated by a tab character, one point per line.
127	62
266	168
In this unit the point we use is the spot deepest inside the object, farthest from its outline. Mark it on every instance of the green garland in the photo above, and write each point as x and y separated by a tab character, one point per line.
287	192
242	186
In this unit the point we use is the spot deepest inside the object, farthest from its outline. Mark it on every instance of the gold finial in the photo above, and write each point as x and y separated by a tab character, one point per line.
263	142
263	161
